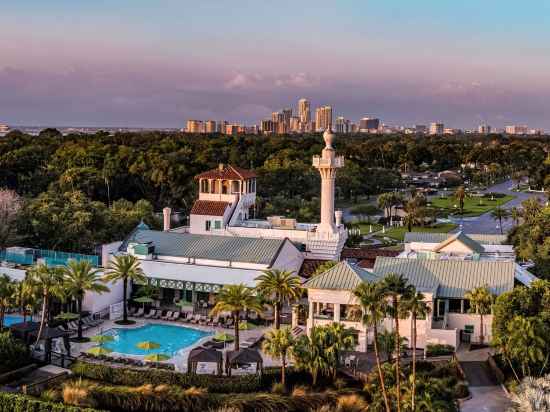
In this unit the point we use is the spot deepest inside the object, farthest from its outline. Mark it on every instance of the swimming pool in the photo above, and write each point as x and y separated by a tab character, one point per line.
11	319
172	339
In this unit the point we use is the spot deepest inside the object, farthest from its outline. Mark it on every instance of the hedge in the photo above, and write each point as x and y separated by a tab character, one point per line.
439	350
11	402
137	377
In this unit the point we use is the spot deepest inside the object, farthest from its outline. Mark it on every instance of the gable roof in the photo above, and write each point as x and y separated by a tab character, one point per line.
452	278
187	245
342	276
209	208
426	237
462	238
227	172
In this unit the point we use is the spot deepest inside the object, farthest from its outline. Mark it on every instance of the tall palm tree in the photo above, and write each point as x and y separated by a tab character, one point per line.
125	268
281	286
396	288
481	301
460	195
416	306
373	303
515	214
341	339
49	280
499	214
80	277
236	299
278	343
7	288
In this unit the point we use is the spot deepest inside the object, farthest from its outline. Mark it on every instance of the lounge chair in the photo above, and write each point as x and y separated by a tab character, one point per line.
139	313
213	321
158	315
196	319
89	321
175	316
131	311
187	316
167	316
151	313
229	323
203	320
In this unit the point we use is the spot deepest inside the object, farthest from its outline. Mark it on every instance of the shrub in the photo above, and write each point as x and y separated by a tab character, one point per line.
14	354
11	402
461	390
439	350
78	393
278	388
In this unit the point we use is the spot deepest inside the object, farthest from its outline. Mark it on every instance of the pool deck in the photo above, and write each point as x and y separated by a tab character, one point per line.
180	360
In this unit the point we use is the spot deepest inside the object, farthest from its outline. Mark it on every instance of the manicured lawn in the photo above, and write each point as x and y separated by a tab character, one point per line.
472	206
398	233
365	228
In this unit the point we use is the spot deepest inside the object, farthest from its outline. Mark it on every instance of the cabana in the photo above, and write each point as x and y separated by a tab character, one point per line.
207	355
48	334
21	330
243	356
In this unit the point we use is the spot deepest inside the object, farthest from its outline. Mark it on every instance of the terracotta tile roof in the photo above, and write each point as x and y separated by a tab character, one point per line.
227	172
366	256
209	208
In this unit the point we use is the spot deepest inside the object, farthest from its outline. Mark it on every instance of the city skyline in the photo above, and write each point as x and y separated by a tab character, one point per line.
160	63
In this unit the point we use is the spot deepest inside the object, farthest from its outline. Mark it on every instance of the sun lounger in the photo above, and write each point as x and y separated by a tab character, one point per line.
167	316
175	316
213	321
151	313
196	319
139	313
158	315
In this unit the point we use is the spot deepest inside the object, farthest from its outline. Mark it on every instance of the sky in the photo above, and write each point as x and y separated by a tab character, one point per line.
156	63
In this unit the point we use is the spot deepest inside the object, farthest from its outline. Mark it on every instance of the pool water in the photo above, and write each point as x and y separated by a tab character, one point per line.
171	339
11	319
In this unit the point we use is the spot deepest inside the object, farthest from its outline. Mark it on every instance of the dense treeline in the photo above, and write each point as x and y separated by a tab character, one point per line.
81	174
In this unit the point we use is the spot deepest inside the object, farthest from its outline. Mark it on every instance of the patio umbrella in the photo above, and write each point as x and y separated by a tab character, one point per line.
224	337
157	357
102	339
182	303
144	300
67	316
246	326
98	350
148	345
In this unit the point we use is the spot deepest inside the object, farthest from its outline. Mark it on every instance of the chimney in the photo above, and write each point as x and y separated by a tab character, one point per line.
220	167
167	214
338	218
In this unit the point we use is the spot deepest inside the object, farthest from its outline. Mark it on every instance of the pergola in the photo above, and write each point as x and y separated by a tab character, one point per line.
48	334
241	357
207	355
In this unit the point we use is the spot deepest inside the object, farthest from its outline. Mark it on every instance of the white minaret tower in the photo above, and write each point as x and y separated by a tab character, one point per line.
327	164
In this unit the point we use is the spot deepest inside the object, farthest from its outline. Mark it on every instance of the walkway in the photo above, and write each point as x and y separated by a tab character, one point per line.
487	394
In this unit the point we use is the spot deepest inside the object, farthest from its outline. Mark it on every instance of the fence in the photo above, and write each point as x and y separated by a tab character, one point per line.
50	257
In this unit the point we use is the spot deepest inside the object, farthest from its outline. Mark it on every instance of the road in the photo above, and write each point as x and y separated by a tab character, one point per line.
485	222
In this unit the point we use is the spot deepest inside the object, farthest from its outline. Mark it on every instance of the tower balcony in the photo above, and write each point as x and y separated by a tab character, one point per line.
335	162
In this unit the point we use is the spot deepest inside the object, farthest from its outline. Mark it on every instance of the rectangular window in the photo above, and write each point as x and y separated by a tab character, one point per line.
208	225
217	224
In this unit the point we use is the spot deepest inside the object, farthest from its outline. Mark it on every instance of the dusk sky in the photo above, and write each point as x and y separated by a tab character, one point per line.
156	63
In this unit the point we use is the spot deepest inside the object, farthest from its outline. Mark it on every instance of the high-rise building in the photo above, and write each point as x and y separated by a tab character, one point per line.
195	126
287	114
4	128
295	124
323	117
342	125
220	127
517	129
484	129
277	117
210	126
436	128
232	129
369	124
268	126
420	128
304	111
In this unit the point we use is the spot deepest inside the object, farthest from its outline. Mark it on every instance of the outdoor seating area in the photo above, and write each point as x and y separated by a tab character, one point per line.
114	361
182	317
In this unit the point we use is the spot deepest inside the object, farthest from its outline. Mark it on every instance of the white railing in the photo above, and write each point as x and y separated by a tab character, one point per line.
116	310
337	161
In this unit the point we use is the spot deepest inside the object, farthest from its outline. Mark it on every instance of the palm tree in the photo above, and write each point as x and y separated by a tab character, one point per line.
515	214
460	195
278	343
50	281
309	353
417	307
26	297
125	268
341	339
81	277
396	288
281	286
236	299
373	303
7	288
524	343
481	300
498	214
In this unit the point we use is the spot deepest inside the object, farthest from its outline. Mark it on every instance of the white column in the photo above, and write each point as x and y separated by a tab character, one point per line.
336	312
310	314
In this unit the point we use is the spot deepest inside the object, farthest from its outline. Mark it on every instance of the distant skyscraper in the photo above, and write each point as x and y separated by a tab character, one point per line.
342	125
304	111
231	129
210	126
436	128
323	117
517	129
287	114
220	127
369	124
268	126
195	126
484	129
295	124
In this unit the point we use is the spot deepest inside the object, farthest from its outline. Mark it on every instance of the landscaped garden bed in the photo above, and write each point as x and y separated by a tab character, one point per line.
473	206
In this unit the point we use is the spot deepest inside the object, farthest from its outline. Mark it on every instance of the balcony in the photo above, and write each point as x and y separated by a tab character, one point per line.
336	162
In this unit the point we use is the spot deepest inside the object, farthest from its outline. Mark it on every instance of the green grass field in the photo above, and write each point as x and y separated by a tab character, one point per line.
365	227
472	206
398	233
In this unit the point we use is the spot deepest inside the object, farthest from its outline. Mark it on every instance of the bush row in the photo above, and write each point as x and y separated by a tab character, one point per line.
138	377
11	402
13	353
439	350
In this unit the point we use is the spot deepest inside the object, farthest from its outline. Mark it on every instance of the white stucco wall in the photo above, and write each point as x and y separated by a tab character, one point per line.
14	274
95	302
289	258
106	252
460	320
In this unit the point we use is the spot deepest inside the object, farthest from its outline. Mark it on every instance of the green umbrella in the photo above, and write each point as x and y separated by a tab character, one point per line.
182	303
98	350
67	316
157	357
148	345
224	337
102	339
246	326
144	299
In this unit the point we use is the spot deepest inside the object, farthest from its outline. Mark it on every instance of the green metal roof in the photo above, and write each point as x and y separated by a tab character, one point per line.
426	237
342	276
236	249
464	239
453	278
